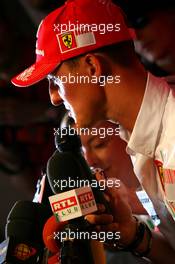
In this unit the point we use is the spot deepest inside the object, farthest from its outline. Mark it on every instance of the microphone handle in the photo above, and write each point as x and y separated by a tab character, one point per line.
76	252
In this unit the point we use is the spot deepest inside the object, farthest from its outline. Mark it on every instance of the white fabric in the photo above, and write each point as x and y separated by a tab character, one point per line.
153	139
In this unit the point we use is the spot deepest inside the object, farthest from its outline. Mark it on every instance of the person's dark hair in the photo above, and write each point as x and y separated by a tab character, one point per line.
137	11
122	53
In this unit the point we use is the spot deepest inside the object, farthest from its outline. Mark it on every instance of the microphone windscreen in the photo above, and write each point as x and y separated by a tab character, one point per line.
25	210
26	220
54	259
70	166
51	228
62	166
67	141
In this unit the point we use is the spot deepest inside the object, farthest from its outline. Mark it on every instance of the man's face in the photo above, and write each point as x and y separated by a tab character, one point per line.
85	100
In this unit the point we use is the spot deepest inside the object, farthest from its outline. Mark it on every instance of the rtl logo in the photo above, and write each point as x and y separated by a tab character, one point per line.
85	197
64	204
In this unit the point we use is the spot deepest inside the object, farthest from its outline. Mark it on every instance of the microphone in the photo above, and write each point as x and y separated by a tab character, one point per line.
67	165
50	231
54	259
64	251
23	232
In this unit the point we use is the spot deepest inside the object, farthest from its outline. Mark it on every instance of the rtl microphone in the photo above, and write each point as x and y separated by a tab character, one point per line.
66	166
67	169
24	227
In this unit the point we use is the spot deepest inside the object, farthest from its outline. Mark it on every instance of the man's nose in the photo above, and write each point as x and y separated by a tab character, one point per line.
54	95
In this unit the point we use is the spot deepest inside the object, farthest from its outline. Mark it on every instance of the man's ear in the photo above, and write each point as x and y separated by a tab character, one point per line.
54	95
91	64
96	64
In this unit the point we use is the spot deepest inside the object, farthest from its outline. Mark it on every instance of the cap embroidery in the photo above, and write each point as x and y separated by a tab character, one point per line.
26	74
72	40
40	52
67	40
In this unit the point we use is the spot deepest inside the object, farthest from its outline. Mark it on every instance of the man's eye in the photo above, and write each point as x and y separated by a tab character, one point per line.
51	82
55	83
100	145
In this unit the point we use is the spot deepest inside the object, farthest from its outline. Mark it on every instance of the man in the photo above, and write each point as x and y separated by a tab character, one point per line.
138	101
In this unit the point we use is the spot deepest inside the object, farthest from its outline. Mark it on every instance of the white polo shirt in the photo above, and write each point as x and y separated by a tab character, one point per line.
152	148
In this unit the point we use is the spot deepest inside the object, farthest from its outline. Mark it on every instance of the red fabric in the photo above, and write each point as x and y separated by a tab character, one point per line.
53	46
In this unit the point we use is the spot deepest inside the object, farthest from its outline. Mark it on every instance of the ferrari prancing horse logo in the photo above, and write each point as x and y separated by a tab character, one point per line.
67	40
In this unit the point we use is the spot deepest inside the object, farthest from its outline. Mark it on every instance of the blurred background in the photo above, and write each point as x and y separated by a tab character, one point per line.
27	118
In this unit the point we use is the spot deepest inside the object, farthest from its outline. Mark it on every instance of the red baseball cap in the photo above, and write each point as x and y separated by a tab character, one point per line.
77	27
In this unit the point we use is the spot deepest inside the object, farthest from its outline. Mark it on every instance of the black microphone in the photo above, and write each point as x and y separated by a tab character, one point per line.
62	166
24	243
66	164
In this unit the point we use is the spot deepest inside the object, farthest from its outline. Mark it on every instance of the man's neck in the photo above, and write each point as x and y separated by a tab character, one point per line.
124	100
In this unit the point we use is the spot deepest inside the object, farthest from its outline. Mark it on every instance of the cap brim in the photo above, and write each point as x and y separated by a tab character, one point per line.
33	74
